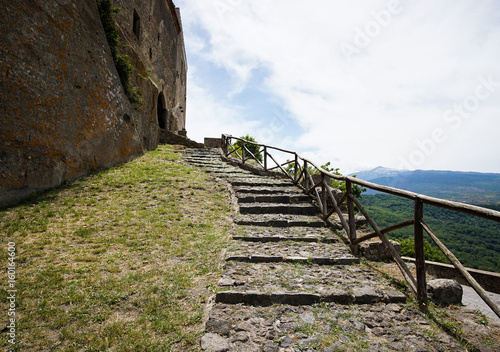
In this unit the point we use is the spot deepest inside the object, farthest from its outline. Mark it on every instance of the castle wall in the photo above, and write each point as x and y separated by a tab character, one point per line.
63	110
156	48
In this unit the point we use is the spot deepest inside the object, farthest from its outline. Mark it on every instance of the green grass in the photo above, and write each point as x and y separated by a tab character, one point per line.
122	260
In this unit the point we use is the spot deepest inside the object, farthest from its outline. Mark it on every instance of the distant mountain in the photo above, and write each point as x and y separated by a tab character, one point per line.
469	187
378	172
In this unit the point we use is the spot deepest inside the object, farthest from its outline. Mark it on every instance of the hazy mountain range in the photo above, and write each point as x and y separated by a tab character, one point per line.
470	187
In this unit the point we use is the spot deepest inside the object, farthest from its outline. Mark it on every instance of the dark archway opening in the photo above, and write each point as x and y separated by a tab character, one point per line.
162	112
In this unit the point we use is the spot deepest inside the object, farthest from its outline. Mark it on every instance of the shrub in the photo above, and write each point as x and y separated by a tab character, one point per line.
431	252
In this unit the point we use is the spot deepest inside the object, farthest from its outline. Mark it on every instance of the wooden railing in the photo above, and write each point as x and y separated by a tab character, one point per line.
301	170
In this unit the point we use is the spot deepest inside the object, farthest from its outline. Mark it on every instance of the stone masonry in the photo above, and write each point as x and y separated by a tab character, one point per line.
64	111
291	284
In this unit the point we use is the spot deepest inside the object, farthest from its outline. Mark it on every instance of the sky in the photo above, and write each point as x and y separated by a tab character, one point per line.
395	83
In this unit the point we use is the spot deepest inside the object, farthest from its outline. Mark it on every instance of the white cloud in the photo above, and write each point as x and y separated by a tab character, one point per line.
413	61
210	117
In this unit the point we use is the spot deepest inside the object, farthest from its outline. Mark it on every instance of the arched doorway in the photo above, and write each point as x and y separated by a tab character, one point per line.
162	112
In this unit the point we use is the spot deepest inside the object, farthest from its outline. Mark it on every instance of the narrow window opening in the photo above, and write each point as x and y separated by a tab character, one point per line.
136	25
150	54
162	112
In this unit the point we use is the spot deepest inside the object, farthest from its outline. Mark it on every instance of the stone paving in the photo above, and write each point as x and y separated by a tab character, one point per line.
290	284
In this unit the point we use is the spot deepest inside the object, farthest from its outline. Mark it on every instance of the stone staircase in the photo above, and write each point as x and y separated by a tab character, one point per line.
290	284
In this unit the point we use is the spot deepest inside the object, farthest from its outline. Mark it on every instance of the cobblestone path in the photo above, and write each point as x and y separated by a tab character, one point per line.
290	284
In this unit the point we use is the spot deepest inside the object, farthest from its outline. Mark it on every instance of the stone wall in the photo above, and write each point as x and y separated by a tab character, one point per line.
153	38
63	109
167	137
490	281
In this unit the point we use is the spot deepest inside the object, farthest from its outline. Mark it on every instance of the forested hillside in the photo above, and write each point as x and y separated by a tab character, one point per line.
475	241
469	187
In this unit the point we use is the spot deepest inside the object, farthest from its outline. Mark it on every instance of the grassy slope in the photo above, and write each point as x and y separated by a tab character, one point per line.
120	261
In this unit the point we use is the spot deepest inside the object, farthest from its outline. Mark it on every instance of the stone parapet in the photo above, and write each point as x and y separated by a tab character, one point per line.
488	280
213	142
167	137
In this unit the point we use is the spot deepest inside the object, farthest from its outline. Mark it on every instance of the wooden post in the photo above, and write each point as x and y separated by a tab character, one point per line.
296	168
305	175
420	256
323	196
337	210
265	158
243	152
350	212
224	145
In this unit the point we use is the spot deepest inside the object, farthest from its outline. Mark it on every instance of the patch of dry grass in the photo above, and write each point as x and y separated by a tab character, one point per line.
118	261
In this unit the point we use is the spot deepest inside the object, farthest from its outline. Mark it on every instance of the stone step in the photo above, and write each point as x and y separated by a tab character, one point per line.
267	190
278	208
272	198
294	260
279	220
187	155
207	156
292	283
364	295
260	181
211	165
291	234
202	158
264	239
206	163
201	151
314	251
229	173
227	169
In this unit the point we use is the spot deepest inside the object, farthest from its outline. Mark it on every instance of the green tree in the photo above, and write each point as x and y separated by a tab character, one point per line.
253	148
356	190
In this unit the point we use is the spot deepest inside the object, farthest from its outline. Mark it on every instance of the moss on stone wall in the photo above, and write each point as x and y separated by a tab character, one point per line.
122	61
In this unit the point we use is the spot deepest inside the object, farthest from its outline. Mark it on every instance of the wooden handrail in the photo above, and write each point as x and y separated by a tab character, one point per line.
456	206
322	192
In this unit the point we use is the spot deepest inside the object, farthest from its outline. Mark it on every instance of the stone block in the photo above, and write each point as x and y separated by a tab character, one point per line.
214	343
367	295
445	291
376	250
338	296
212	142
395	297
